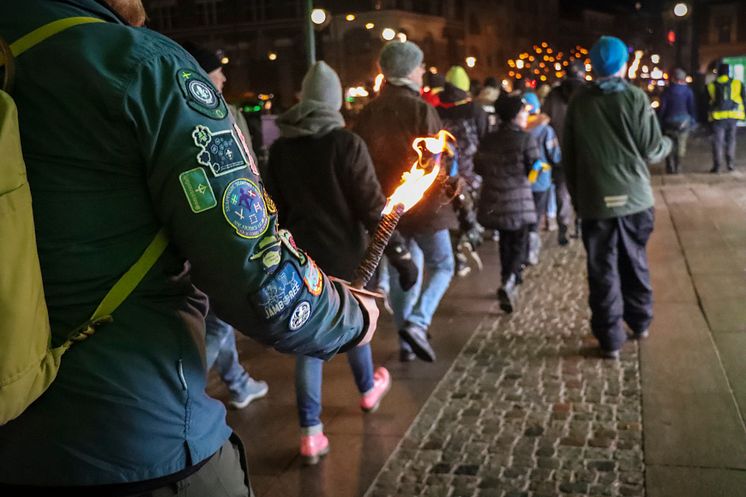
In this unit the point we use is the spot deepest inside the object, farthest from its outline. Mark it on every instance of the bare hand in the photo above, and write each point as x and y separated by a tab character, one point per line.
369	304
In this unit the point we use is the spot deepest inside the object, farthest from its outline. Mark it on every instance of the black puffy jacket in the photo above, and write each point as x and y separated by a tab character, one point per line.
504	159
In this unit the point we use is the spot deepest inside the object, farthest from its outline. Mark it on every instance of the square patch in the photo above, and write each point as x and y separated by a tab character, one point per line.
280	292
220	151
198	190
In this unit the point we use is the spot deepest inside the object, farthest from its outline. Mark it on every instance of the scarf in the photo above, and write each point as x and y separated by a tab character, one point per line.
308	118
404	82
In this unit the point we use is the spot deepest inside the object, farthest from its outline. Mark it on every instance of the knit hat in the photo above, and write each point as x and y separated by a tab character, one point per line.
532	100
398	59
508	106
458	78
608	55
679	74
322	84
206	59
436	80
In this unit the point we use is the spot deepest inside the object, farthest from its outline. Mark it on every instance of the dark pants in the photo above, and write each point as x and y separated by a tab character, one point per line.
723	141
512	251
564	204
618	276
679	138
541	199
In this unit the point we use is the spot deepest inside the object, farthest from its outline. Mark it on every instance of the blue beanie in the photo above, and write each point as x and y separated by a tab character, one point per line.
532	100
608	55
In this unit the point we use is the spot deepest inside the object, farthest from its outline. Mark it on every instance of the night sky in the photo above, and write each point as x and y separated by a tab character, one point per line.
626	6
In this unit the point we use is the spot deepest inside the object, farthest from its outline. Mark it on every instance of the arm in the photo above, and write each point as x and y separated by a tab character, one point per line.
360	183
531	155
552	148
690	105
218	216
569	156
651	143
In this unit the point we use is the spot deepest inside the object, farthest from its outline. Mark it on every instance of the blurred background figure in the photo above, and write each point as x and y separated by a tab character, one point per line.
677	116
726	108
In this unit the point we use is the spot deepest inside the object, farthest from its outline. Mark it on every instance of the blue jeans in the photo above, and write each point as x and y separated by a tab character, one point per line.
552	204
308	375
432	253
220	345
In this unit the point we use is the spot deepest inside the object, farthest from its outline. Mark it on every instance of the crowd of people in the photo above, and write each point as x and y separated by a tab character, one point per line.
140	140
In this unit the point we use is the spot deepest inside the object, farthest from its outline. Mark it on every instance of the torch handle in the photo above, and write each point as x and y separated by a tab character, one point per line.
374	253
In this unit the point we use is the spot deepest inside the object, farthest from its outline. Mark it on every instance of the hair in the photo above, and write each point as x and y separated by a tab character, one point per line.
131	11
679	74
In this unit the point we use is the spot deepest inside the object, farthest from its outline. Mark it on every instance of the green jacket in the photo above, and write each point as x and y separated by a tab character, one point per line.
122	134
611	134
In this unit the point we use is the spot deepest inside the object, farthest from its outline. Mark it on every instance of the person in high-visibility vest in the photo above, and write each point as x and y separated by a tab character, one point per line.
726	108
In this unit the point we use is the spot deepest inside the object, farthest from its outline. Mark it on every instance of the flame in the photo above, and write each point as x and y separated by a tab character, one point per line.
377	83
423	172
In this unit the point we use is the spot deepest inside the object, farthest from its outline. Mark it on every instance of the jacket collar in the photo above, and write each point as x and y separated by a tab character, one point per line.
96	8
398	90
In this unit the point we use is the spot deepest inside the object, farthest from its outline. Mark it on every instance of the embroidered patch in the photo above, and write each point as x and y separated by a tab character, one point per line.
287	239
219	151
200	94
280	292
245	146
271	207
300	315
269	251
198	190
271	259
244	209
313	278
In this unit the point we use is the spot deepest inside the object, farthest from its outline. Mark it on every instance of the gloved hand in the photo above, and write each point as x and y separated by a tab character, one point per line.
400	258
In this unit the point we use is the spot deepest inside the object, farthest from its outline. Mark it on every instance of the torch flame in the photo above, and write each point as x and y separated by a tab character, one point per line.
423	172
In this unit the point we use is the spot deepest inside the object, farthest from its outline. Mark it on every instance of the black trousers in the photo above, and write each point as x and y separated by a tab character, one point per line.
512	251
541	200
618	276
723	142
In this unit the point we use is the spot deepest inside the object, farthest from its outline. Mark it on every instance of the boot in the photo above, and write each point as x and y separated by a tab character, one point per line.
562	235
534	246
508	294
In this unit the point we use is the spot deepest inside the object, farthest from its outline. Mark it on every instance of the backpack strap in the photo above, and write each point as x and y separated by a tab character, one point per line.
122	288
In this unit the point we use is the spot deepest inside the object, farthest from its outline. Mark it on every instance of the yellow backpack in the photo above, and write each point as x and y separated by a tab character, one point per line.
28	364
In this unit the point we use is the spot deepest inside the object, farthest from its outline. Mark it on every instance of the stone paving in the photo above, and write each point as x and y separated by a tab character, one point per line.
528	409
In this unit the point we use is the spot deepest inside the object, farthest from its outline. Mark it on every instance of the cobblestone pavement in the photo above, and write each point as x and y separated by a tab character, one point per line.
528	409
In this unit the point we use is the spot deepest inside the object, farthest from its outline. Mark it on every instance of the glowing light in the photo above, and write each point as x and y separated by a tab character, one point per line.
423	172
519	63
272	56
402	37
388	34
356	91
543	78
587	68
318	16
518	76
511	73
655	58
531	58
588	77
377	83
433	70
225	60
511	62
680	9
470	61
655	104
350	17
689	79
632	72
557	66
370	25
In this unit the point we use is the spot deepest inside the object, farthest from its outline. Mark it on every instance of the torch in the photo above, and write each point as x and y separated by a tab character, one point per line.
415	183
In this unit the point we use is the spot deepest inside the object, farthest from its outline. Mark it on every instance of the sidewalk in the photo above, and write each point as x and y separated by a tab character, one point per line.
521	406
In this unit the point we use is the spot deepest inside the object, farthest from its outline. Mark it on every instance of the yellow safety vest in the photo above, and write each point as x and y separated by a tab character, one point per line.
735	95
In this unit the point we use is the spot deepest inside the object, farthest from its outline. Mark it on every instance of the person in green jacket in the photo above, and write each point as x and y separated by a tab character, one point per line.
123	134
611	135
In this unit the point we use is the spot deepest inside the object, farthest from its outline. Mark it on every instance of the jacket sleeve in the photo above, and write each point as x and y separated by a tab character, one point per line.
690	108
206	191
569	157
482	120
359	181
552	147
531	153
651	143
432	123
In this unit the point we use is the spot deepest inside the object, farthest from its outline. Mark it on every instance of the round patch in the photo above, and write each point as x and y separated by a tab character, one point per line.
202	93
244	208
300	315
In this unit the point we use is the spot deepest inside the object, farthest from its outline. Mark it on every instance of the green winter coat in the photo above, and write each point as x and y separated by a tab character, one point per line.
123	134
611	135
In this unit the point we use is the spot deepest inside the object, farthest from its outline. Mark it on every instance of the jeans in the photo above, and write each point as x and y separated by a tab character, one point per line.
432	252
618	276
679	138
308	375
220	345
724	143
552	202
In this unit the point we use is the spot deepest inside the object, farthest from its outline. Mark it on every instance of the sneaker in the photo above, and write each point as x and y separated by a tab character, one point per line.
313	448
251	391
370	401
642	335
416	338
406	355
610	354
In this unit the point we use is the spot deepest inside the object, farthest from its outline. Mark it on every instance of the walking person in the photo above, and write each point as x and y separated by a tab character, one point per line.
389	124
329	202
555	106
677	116
128	148
504	160
726	107
611	135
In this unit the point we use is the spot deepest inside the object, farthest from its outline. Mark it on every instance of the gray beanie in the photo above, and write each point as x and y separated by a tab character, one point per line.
322	84
398	59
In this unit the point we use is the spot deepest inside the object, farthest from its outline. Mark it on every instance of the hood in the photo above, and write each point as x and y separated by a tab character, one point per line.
309	118
611	85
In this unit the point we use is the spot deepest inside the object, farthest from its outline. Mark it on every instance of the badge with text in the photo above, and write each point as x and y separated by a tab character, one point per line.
280	292
313	278
198	190
201	95
300	315
244	209
219	151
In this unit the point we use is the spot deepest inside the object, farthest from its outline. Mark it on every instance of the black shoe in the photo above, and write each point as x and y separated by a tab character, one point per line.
714	170
406	355
507	294
416	338
562	236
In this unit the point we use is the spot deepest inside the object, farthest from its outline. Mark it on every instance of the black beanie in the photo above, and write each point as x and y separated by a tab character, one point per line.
508	106
205	58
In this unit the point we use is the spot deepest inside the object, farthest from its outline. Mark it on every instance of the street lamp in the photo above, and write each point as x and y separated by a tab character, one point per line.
388	34
471	61
318	16
680	9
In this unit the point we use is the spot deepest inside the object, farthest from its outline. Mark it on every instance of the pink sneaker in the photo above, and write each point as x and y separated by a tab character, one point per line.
313	448
370	401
